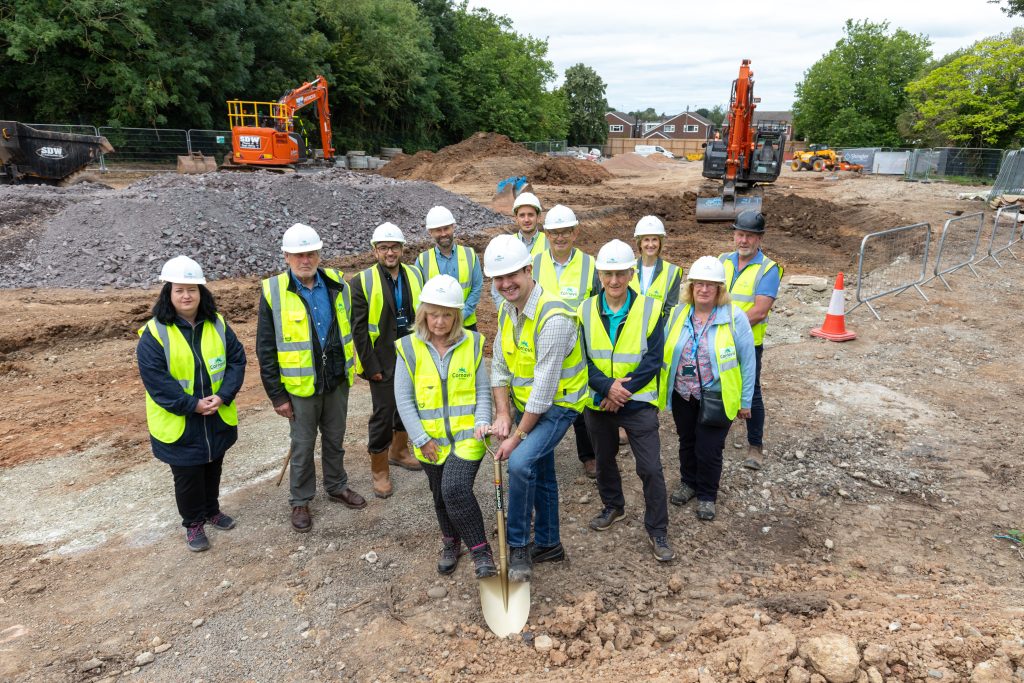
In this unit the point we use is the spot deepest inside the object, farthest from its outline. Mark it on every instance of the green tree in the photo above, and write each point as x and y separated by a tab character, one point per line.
854	94
1012	7
586	104
715	115
975	99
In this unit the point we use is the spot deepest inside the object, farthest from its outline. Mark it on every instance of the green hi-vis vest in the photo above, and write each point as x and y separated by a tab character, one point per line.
540	242
293	331
446	405
729	372
427	264
630	346
666	275
742	291
521	357
577	279
165	426
370	281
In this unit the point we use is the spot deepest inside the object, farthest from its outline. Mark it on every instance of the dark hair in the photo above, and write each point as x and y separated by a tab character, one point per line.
163	309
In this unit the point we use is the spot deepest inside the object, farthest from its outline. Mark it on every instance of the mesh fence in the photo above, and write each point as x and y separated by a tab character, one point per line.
1011	175
545	146
212	143
145	149
958	245
892	261
965	163
1006	231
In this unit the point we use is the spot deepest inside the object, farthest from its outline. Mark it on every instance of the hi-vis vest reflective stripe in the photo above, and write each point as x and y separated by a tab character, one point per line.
666	276
370	281
729	372
576	282
466	261
630	345
522	357
165	426
446	405
293	331
540	242
743	290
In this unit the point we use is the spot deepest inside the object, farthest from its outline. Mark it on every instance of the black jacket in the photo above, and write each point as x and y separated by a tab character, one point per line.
382	356
329	363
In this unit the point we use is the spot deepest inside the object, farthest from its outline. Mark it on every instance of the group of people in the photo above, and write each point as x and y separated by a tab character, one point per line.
601	344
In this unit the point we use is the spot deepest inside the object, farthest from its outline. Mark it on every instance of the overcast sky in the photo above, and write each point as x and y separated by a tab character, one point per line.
670	55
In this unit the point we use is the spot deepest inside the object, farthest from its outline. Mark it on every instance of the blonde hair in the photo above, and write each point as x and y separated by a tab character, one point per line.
423	332
720	300
661	244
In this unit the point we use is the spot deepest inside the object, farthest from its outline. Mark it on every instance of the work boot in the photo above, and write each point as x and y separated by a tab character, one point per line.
301	521
660	548
348	498
705	510
483	561
550	553
448	560
606	518
381	474
590	468
195	538
520	566
682	495
399	453
222	521
755	457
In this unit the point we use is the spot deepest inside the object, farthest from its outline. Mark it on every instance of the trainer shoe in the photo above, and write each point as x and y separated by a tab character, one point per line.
606	518
660	548
682	495
520	566
195	538
448	559
222	521
705	510
551	553
483	561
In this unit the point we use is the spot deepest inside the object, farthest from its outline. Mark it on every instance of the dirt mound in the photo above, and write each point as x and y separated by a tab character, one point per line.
566	171
668	207
661	159
629	164
449	161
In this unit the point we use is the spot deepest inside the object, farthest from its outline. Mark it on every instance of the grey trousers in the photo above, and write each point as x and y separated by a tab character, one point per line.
326	413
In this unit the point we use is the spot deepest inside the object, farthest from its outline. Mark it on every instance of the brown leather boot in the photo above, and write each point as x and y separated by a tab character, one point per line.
755	458
381	474
399	453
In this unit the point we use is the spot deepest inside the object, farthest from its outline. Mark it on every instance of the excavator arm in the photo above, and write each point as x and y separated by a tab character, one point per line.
313	93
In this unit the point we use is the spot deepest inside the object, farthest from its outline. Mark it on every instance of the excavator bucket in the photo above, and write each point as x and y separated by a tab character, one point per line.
718	209
196	162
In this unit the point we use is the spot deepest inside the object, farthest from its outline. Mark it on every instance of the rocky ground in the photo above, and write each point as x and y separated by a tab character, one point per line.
863	551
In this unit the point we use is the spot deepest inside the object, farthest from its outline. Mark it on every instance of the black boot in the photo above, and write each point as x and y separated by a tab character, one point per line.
520	565
483	561
448	560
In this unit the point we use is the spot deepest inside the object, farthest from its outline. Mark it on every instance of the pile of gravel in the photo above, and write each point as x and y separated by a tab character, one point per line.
230	222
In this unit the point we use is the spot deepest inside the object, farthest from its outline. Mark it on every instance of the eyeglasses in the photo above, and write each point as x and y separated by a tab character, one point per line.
705	285
383	248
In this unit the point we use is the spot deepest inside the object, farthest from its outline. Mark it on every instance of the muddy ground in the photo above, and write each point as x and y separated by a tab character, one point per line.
863	551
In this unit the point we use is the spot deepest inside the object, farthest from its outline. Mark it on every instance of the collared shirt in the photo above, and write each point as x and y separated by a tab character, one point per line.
449	265
769	285
529	244
555	341
319	302
615	318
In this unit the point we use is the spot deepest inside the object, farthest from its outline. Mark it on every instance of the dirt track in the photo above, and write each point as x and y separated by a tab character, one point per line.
892	461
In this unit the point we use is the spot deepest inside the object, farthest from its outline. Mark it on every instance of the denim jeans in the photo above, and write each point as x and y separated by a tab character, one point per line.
531	481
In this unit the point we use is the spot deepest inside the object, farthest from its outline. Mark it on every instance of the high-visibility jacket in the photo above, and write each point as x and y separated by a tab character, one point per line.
666	277
293	329
729	373
370	281
446	405
466	260
540	242
521	356
743	290
164	425
620	359
576	282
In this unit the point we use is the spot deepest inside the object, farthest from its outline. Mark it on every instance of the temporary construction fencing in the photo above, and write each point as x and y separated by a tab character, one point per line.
981	164
1011	175
1006	232
892	261
958	245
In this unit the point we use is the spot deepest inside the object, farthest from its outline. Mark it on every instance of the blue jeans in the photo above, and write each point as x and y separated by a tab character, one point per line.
531	481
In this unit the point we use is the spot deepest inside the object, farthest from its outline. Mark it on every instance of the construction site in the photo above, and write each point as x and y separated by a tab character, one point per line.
865	551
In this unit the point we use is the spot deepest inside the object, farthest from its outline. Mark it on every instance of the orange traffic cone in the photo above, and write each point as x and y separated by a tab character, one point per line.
834	328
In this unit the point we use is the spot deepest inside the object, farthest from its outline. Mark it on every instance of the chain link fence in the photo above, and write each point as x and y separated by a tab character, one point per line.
958	246
965	164
892	261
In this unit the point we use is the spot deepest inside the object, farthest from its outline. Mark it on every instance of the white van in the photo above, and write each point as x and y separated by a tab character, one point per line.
647	150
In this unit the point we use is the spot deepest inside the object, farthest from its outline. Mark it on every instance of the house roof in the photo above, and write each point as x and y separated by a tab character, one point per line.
786	116
624	117
682	117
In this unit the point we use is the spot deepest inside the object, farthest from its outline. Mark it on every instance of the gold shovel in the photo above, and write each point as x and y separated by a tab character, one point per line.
506	605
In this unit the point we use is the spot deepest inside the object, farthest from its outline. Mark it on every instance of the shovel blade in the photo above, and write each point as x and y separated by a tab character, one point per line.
501	619
711	209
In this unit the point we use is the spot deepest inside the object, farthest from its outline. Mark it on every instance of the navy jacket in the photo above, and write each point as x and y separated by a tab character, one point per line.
206	438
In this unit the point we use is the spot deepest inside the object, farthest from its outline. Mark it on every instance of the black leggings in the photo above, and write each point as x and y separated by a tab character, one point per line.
196	490
458	513
700	448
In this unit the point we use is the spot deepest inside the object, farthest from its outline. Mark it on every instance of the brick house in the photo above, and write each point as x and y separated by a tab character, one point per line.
685	126
783	117
620	124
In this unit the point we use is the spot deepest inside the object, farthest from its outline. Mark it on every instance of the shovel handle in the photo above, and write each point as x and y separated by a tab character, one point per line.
284	467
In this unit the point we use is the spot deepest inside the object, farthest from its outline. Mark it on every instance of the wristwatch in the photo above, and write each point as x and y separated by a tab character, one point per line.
521	434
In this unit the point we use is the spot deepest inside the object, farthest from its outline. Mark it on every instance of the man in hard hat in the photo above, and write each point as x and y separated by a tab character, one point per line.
753	281
625	341
538	360
307	364
526	210
568	273
449	258
384	300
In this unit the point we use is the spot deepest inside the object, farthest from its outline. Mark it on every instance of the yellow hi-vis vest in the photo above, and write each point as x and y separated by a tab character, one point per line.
729	373
630	346
370	281
540	242
576	282
293	331
466	260
165	426
521	357
446	405
665	278
742	291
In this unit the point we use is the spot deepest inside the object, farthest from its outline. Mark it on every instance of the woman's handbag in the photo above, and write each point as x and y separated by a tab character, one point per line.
712	408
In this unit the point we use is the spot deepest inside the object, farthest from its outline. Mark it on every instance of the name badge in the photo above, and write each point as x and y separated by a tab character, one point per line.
689	370
402	322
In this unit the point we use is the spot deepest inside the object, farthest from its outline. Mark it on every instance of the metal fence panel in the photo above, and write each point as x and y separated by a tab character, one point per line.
970	163
545	146
145	149
890	163
1011	175
212	143
892	261
958	245
1005	233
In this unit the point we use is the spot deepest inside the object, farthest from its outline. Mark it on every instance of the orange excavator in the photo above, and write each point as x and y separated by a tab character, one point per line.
263	134
747	154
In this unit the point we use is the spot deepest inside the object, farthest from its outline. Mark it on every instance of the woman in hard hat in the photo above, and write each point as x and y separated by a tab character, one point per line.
444	399
709	367
192	366
656	277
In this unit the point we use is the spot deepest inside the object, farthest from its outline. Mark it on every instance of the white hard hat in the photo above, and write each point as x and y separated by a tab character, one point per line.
616	255
387	232
526	199
442	290
183	271
505	254
707	269
559	217
439	217
649	225
299	239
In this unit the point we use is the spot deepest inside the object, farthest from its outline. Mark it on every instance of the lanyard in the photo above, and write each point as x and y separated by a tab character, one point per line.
398	292
696	337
